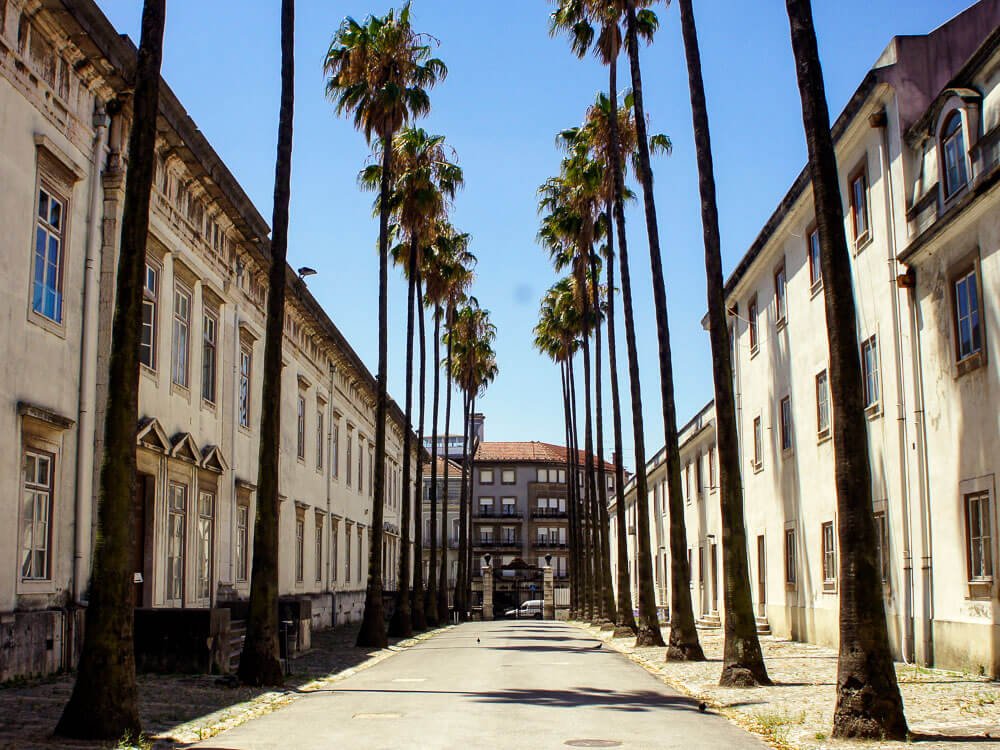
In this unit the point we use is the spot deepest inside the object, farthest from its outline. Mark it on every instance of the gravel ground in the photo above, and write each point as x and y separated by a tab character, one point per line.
945	710
178	710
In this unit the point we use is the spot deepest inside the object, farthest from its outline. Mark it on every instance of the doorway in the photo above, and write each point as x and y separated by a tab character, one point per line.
140	514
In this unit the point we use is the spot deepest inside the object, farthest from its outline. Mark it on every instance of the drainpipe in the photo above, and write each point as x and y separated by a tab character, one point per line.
88	358
879	121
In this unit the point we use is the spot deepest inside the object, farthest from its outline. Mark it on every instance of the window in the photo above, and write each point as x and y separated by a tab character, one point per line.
300	429
687	480
46	292
509	505
334	534
508	476
829	557
300	549
36	511
371	471
335	449
509	535
786	423
319	437
758	445
822	405
361	532
242	542
978	529
347	463
542	475
206	538
486	506
869	371
752	324
181	337
953	155
859	207
319	549
882	545
209	344
790	557
711	468
610	482
347	552
150	302
697	476
562	476
246	358
176	537
815	266
968	330
780	302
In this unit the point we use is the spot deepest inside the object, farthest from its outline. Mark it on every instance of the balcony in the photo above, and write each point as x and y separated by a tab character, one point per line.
493	514
548	513
496	544
550	544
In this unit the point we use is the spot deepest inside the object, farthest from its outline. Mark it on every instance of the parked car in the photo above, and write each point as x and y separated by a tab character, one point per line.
531	608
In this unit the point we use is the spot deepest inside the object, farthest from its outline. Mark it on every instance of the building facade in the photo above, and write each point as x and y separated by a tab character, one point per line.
918	147
64	73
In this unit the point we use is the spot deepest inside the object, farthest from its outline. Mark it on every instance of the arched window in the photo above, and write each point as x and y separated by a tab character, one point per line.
953	155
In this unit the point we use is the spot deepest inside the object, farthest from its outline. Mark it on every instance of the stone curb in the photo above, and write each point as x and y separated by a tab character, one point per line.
233	716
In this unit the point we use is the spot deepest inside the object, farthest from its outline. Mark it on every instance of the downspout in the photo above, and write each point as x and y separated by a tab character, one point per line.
88	359
879	121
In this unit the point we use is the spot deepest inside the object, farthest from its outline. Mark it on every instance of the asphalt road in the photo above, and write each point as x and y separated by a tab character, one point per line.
498	685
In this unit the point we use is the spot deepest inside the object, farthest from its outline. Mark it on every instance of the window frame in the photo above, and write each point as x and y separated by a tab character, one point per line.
758	444
180	371
300	427
864	236
35	488
871	386
945	139
823	406
244	396
300	548
318	547
151	301
503	474
791	569
181	513
335	447
785	424
976	356
986	573
780	295
241	557
883	546
60	234
209	356
753	327
205	565
320	438
815	262
828	556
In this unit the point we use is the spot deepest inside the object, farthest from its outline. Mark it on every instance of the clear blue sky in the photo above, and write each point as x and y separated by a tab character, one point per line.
511	88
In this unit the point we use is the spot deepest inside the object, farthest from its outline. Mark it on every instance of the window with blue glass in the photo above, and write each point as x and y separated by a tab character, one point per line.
46	293
967	315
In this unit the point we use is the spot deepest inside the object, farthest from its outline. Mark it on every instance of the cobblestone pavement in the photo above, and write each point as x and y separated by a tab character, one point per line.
945	710
179	710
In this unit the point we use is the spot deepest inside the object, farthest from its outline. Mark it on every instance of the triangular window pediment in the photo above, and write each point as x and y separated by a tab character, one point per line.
151	435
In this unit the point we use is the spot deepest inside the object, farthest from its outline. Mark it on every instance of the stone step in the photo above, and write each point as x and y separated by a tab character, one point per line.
763	626
709	622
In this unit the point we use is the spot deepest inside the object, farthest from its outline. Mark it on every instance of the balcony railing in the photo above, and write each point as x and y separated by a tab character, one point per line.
550	544
493	513
496	543
548	513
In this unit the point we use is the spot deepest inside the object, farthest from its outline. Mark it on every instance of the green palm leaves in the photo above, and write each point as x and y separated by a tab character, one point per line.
380	71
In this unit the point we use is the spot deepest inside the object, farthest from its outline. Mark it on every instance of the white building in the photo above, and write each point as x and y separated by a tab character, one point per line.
64	125
918	147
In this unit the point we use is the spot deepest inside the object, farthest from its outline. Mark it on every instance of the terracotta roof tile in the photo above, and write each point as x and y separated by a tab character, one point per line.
453	468
529	452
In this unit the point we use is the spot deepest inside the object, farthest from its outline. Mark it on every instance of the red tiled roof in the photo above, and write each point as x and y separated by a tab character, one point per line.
529	452
453	468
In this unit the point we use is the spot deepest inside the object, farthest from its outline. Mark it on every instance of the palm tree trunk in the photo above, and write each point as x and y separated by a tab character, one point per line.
469	570
593	532
682	622
586	550
373	631
434	614
419	594
743	663
574	536
606	596
443	574
259	662
401	624
868	699
625	619
461	605
103	705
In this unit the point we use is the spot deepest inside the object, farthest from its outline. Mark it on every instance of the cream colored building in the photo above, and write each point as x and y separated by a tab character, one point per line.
918	147
64	119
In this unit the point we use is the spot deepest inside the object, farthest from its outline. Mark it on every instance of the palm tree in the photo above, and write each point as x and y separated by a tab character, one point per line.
259	662
419	592
576	15
379	72
423	187
448	273
103	704
472	366
743	663
868	700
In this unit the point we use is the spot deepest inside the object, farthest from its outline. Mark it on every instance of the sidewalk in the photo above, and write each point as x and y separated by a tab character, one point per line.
178	710
945	710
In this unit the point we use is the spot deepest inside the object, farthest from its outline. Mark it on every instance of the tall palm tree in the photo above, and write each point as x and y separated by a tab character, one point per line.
447	271
379	72
423	187
103	704
472	366
419	591
576	16
868	700
259	662
743	662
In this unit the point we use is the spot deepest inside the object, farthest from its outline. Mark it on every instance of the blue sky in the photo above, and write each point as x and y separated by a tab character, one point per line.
510	89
